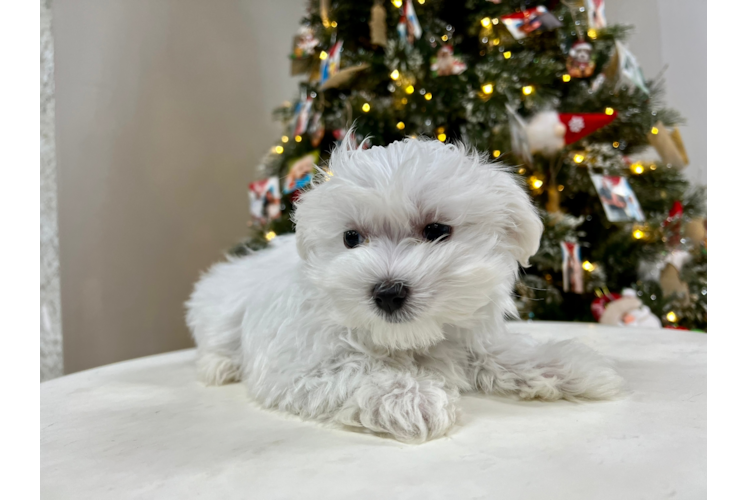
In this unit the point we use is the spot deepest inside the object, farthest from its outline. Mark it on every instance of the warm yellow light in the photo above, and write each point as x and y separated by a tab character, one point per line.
528	89
323	55
366	107
409	89
507	54
496	153
400	125
560	187
442	137
609	111
486	22
270	235
297	138
671	317
592	33
334	24
428	96
397	3
279	149
284	139
655	131
588	266
637	168
496	41
395	75
537	183
487	88
638	234
653	167
404	100
616	144
495	20
578	158
521	171
422	2
566	78
445	38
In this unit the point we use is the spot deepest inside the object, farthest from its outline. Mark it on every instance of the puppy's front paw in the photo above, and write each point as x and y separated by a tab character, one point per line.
216	369
408	409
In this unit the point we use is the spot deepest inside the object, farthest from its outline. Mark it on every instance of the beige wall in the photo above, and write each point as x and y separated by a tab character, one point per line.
163	111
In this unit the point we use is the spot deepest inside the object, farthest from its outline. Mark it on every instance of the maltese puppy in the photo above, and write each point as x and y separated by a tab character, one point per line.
390	299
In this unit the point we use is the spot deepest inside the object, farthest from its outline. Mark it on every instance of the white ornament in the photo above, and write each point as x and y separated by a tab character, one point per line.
576	124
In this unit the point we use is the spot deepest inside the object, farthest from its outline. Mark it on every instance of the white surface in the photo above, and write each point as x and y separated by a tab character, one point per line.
146	429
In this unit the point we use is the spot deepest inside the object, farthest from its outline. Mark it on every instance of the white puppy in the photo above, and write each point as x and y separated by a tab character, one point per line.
390	300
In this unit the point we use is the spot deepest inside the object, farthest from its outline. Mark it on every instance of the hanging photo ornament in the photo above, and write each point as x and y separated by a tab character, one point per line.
409	28
316	129
596	13
301	115
265	200
571	267
302	53
532	20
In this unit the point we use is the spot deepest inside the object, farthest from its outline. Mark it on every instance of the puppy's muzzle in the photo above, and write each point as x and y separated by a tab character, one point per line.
390	296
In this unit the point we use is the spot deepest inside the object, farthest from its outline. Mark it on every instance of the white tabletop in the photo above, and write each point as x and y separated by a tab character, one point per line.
147	429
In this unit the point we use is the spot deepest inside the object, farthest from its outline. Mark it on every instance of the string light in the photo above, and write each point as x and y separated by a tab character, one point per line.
279	149
395	75
486	22
323	55
592	33
334	24
404	101
528	89
560	187
428	96
638	234
672	317
496	153
566	78
487	88
410	89
297	138
637	168
655	131
578	158
284	139
366	107
507	54
270	235
535	182
397	3
609	111
400	125
588	266
521	171
495	21
445	38
442	137
422	2
653	167
616	144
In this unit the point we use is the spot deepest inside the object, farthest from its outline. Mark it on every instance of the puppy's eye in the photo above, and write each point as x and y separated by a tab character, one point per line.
434	231
352	239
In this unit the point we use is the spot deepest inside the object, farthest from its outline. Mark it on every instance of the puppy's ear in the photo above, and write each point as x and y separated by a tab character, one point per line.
526	228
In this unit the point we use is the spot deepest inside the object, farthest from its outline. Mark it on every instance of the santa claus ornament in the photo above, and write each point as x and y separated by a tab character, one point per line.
580	64
548	132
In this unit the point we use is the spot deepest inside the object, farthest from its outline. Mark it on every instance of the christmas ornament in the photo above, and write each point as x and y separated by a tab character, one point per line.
595	13
598	305
330	64
316	129
580	125
696	231
301	115
445	63
264	200
535	19
580	64
303	50
571	268
669	145
300	172
618	200
343	77
623	69
672	224
409	28
628	310
671	283
378	24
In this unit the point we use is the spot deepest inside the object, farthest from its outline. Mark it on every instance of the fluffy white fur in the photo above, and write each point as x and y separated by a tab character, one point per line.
298	325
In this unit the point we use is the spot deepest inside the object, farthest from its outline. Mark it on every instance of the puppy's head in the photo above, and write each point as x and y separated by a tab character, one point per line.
404	239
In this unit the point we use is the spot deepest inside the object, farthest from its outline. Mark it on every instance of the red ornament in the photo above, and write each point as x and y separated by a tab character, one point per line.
580	125
675	216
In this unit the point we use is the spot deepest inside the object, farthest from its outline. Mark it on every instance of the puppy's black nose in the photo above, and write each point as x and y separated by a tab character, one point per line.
389	296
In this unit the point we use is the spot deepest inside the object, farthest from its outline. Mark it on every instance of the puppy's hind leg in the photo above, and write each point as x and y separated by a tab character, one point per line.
549	371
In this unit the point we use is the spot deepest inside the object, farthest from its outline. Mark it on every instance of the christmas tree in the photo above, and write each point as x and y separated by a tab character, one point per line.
549	87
